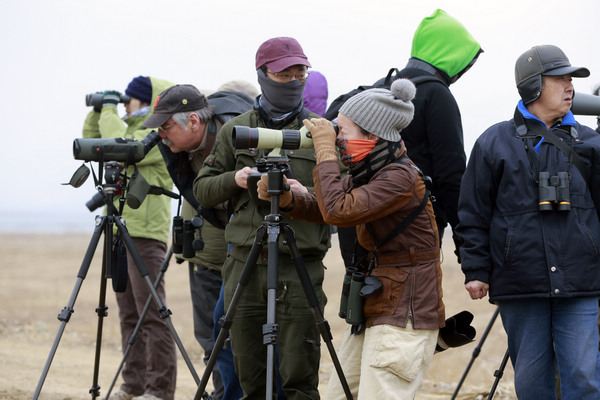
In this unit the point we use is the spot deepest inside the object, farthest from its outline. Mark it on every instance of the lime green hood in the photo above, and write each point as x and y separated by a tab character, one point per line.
158	86
445	43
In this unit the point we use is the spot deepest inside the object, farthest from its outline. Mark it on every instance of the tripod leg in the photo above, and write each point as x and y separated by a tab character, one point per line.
227	319
476	352
498	374
131	341
66	312
165	313
271	328
313	303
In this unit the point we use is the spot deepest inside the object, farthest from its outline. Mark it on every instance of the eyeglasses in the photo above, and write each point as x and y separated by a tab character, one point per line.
165	128
288	76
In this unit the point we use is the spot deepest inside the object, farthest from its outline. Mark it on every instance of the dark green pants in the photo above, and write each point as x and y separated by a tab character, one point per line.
298	337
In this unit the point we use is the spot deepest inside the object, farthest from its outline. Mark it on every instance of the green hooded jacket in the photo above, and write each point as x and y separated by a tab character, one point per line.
445	43
152	219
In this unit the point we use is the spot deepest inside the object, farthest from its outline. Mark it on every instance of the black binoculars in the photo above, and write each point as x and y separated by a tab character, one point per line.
185	241
554	191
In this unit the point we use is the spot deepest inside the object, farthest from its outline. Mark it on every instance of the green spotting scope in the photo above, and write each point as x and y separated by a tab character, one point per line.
119	149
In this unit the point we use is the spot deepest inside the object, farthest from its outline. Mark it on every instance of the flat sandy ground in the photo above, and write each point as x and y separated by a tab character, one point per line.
38	275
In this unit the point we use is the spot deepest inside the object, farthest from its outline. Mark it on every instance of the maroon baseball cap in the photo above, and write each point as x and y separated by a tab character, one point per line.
280	53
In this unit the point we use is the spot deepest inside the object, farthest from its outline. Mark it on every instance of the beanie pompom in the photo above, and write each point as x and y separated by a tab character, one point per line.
403	89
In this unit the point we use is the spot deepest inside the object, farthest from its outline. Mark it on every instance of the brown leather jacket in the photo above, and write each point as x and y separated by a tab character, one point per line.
408	265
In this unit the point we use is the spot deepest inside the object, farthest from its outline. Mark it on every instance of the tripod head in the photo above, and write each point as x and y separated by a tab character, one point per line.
276	167
133	190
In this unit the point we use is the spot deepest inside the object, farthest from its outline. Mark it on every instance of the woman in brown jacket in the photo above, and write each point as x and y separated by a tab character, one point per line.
390	356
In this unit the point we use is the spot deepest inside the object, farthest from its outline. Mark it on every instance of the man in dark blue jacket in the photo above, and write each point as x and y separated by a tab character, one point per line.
528	217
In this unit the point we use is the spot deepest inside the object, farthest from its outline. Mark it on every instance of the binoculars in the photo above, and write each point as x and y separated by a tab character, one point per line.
95	99
355	289
185	241
554	191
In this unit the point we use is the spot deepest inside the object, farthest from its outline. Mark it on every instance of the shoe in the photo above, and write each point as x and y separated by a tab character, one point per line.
121	395
146	396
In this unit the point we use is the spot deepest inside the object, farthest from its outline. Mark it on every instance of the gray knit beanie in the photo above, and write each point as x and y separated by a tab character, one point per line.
383	112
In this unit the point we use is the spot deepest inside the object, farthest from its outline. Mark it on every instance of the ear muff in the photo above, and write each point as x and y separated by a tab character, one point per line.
530	89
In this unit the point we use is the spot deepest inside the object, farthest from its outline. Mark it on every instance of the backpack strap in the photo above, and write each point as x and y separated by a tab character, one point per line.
211	131
388	79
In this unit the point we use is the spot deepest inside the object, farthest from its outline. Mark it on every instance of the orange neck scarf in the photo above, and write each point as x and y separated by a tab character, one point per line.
354	150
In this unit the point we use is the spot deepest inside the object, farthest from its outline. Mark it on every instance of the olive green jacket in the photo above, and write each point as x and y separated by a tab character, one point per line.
215	184
152	219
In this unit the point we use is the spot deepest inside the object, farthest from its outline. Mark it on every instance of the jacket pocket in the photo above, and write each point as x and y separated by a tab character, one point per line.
508	244
590	238
393	281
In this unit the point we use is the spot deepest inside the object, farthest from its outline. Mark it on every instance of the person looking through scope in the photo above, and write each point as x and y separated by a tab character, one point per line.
150	369
281	66
392	336
536	257
188	123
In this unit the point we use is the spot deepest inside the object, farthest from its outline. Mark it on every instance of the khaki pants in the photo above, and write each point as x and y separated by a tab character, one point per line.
384	362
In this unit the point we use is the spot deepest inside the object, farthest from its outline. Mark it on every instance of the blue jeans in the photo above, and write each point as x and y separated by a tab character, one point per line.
233	390
205	285
545	335
231	383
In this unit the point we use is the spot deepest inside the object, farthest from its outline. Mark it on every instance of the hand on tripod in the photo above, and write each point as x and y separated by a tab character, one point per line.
286	199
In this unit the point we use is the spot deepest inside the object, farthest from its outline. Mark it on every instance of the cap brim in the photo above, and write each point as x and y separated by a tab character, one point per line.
283	63
576	72
156	120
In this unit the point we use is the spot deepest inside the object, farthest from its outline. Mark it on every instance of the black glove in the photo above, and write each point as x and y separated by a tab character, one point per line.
457	332
111	98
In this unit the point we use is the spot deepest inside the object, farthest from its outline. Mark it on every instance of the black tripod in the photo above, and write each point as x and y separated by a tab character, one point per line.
269	232
498	373
104	225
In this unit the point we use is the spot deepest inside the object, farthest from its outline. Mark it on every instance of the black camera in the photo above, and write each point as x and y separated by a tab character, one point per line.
95	99
554	191
112	175
119	149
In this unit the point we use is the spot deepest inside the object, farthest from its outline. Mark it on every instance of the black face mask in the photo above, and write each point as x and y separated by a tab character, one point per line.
279	98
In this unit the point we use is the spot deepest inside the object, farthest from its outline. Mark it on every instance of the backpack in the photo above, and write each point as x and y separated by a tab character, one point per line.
385	83
227	105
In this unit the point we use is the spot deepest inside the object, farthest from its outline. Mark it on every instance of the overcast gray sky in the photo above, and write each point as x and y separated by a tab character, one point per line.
54	52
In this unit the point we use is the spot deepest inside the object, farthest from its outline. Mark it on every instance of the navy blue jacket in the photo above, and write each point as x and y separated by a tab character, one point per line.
508	242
